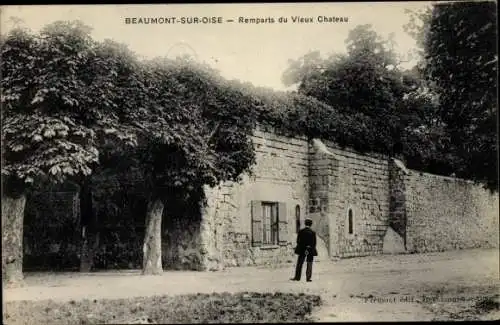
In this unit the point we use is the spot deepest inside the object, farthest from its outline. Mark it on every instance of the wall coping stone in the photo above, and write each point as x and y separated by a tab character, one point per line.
319	146
401	166
447	178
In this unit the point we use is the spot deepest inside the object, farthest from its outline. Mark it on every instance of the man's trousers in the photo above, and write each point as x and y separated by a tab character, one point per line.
300	263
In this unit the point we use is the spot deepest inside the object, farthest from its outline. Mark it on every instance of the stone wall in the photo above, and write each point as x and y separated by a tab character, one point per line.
394	210
446	213
360	183
181	243
182	228
280	175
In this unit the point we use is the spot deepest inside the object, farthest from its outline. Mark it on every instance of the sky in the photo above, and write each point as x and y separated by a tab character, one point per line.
257	53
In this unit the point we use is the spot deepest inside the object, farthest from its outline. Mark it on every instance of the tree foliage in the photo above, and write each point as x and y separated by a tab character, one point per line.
369	102
459	62
433	115
69	100
56	105
194	128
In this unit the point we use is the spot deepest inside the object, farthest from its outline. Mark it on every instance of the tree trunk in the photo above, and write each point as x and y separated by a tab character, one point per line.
12	239
151	260
90	236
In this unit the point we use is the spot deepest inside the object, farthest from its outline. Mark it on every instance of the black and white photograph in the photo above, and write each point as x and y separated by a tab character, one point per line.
249	162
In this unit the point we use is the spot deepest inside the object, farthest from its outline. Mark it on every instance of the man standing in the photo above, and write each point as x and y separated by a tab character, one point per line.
306	249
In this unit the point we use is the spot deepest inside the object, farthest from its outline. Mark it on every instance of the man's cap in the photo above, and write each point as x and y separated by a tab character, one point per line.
308	219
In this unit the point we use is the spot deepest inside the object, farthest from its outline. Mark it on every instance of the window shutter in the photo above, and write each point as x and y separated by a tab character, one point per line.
283	224
256	223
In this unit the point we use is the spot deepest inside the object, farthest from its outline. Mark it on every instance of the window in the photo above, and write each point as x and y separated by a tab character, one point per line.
297	218
350	222
269	223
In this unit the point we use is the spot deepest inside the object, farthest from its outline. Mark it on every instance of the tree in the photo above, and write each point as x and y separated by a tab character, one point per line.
303	68
198	135
365	87
369	103
55	111
459	61
117	82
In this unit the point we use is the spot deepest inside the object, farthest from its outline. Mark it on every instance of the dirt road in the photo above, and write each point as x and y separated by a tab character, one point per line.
376	288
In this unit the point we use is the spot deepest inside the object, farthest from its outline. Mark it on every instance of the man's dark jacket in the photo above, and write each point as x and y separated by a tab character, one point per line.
306	240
